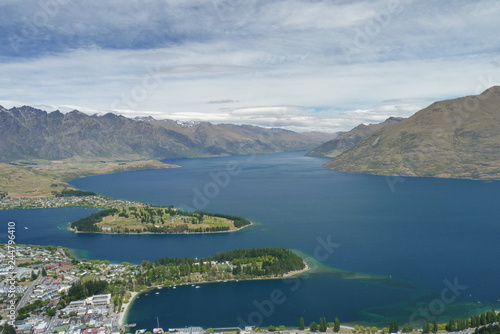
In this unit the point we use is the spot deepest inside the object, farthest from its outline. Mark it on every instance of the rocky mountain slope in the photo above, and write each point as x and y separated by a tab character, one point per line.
458	138
30	133
346	140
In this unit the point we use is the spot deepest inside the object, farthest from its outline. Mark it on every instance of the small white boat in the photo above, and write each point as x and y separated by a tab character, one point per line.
197	287
157	293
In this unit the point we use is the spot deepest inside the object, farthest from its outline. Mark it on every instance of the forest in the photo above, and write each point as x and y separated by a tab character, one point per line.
234	264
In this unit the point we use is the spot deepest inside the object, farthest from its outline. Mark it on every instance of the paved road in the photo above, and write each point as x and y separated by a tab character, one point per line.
27	293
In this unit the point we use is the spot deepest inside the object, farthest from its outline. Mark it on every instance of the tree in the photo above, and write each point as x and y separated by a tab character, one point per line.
451	327
435	327
426	328
393	327
385	330
301	324
271	328
51	312
322	325
374	329
336	326
313	326
8	329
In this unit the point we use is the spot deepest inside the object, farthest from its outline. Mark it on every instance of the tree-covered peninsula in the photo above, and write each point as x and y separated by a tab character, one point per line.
237	264
157	219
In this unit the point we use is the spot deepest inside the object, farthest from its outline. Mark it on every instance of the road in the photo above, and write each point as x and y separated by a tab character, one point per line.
27	293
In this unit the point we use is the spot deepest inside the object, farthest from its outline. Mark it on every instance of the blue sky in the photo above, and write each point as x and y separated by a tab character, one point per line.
296	64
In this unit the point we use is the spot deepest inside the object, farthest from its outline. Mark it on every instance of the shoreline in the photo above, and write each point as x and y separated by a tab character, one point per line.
122	316
152	233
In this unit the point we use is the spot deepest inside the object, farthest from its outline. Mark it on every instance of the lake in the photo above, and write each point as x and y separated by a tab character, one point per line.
424	235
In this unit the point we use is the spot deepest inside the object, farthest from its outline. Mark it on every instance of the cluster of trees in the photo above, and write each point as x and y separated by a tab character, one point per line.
322	326
89	223
267	261
74	192
489	329
484	318
24	312
7	329
235	264
238	221
460	324
81	290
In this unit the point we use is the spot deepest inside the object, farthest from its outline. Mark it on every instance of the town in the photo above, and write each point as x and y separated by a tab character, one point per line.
44	290
97	201
43	278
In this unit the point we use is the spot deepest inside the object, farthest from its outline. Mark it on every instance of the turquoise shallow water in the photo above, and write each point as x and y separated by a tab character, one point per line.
421	231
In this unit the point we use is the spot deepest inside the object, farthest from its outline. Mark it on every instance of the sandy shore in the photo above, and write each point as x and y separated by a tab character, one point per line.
297	272
126	307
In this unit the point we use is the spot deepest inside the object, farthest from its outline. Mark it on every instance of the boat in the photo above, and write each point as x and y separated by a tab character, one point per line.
158	329
157	293
25	228
197	287
131	325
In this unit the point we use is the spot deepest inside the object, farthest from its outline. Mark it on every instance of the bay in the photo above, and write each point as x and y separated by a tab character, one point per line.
425	232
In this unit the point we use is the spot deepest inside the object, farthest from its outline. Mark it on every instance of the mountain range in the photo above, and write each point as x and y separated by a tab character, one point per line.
30	133
456	138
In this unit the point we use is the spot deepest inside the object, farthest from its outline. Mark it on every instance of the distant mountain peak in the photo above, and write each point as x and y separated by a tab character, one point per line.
188	124
346	140
145	118
492	91
282	130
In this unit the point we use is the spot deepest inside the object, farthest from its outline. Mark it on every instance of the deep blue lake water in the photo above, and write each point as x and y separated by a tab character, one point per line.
421	231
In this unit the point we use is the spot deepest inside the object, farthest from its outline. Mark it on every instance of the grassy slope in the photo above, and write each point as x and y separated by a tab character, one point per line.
442	140
137	224
41	177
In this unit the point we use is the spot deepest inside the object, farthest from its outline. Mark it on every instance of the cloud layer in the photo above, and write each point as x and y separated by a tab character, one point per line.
296	64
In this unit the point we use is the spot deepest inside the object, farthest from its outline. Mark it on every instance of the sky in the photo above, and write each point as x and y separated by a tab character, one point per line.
295	64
